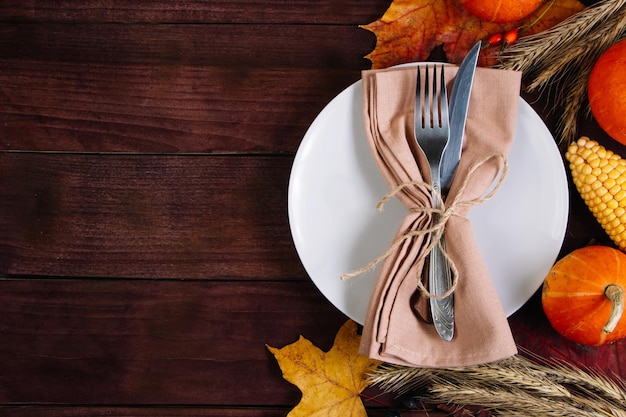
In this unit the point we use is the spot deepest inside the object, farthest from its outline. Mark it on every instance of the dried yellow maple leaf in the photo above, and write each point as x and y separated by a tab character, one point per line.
410	29
331	382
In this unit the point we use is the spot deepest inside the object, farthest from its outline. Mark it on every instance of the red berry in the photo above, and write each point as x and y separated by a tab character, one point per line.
511	36
495	39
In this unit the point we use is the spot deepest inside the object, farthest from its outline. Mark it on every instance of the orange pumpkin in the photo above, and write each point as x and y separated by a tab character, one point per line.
607	91
583	295
501	11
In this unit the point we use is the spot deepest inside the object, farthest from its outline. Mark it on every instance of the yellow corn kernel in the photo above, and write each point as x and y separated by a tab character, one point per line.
589	179
597	185
614	188
599	175
607	212
611	184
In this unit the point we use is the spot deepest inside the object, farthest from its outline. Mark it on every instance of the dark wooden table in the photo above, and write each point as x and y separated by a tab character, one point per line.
145	251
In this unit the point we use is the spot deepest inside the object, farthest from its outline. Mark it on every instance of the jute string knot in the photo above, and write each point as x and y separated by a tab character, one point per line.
442	214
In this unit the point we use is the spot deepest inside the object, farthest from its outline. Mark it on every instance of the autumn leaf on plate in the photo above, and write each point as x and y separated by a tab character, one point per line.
410	30
330	381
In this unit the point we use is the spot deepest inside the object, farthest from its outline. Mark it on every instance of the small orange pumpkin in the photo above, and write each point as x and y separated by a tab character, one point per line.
583	295
501	11
607	91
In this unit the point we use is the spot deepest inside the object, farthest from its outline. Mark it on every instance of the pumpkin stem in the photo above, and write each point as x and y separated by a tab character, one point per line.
615	293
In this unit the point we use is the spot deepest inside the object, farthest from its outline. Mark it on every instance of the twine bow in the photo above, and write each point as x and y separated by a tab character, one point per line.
434	233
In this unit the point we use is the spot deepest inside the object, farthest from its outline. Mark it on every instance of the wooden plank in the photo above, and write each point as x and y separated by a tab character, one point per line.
172	343
218	45
115	88
47	411
198	411
146	216
207	11
154	342
101	108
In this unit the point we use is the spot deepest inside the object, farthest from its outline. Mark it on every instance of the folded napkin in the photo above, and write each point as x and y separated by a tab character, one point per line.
393	332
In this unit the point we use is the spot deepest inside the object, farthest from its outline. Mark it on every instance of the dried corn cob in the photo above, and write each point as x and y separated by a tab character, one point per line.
600	177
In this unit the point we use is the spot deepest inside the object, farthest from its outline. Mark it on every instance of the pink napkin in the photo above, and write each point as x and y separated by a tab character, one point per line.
393	332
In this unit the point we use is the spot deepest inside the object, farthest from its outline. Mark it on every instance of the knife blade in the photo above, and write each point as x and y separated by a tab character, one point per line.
459	103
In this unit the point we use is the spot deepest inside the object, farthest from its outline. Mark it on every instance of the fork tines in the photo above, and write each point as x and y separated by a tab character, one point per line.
436	100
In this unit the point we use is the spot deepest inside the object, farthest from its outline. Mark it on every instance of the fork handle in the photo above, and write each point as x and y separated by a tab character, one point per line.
440	280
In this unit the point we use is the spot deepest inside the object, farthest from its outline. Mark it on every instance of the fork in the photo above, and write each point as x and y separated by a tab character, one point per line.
432	131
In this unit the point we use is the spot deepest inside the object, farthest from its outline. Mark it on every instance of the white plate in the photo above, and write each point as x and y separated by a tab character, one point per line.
335	185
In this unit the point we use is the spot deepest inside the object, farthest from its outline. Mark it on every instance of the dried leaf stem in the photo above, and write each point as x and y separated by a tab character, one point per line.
514	386
565	54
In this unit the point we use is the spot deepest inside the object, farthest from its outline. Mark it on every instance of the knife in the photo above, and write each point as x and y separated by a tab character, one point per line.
459	103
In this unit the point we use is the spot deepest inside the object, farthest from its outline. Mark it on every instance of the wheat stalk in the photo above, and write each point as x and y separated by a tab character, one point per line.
514	386
564	55
575	100
561	372
537	52
513	401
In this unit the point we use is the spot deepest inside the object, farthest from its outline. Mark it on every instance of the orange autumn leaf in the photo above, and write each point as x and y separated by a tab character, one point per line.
410	29
331	382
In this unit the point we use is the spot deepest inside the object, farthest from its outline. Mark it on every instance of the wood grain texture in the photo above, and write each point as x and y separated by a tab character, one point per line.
154	342
351	12
199	411
146	216
170	88
143	411
145	251
202	45
92	108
